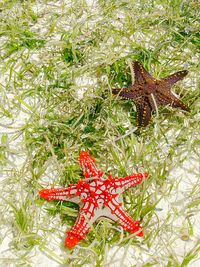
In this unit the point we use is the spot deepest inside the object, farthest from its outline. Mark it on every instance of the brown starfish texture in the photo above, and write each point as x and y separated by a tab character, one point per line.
149	93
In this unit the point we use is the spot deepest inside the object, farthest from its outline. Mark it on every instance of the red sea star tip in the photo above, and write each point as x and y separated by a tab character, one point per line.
71	241
97	198
44	193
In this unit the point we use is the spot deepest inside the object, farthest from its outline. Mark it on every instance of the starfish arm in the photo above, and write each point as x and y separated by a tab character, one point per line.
81	226
125	183
177	76
144	110
119	91
141	75
168	98
60	194
78	231
131	92
88	166
125	219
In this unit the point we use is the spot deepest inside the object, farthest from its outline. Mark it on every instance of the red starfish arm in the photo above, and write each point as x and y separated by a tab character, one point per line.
78	231
175	77
129	181
61	194
125	219
81	226
88	166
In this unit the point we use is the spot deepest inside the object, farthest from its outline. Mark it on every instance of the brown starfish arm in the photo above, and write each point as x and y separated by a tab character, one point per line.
126	221
117	91
175	77
169	99
129	92
144	110
125	183
141	75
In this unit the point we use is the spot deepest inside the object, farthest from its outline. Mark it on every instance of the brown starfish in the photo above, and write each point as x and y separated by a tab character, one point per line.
149	93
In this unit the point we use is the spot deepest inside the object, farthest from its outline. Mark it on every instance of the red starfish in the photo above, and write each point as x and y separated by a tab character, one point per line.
98	198
149	93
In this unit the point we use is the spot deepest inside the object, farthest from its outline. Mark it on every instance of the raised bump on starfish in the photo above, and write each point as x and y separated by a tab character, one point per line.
97	198
145	87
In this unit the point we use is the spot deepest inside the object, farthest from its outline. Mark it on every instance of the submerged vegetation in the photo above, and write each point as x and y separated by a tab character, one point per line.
59	62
